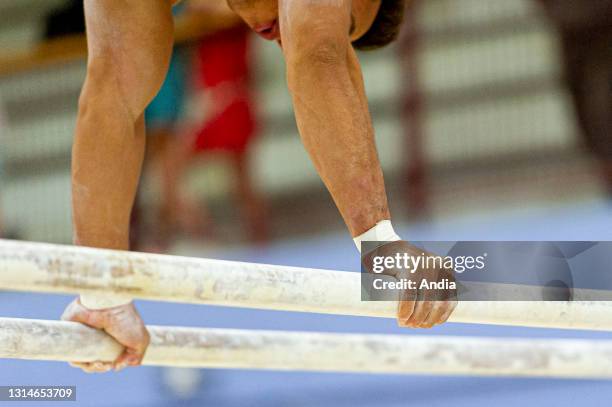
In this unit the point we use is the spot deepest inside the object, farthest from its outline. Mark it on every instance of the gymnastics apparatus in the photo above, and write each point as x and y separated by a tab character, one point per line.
38	267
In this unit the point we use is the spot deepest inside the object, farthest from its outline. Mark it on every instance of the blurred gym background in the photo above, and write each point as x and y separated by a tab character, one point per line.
492	119
470	108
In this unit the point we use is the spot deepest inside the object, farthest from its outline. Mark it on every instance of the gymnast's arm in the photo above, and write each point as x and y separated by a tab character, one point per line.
129	46
331	110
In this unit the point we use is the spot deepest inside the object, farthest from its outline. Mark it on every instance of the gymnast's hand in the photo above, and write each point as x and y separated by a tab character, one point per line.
419	307
123	323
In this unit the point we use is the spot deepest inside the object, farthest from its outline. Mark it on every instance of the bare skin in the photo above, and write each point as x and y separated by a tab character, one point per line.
182	213
109	142
432	306
130	44
122	323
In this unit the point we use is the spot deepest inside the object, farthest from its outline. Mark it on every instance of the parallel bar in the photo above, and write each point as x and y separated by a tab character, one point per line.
277	350
37	267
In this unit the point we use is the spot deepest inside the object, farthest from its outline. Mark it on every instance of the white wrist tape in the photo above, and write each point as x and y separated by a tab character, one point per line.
97	302
382	232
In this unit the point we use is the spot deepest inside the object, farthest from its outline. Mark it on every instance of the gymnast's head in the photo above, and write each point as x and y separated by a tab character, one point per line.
374	23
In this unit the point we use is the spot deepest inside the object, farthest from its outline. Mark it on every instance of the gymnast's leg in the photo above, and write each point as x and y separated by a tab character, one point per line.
129	50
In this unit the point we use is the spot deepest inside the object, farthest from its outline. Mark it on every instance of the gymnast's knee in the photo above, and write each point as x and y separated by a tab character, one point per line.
111	86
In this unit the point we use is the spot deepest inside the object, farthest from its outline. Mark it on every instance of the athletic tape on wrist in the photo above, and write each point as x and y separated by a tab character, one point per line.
382	232
97	302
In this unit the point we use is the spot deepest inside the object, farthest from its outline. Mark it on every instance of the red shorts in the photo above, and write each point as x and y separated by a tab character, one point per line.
230	130
223	59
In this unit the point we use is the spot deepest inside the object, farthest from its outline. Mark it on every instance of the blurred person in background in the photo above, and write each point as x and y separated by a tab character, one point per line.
221	72
162	118
585	32
222	76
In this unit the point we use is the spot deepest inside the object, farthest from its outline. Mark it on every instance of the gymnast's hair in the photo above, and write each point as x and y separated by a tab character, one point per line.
385	28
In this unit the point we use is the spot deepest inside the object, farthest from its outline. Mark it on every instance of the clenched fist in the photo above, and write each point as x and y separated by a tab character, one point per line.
420	305
123	323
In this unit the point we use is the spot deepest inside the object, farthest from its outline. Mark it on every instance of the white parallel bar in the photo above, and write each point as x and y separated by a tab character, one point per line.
278	350
38	267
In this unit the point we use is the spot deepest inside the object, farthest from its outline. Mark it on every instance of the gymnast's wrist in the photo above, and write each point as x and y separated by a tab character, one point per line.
382	232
